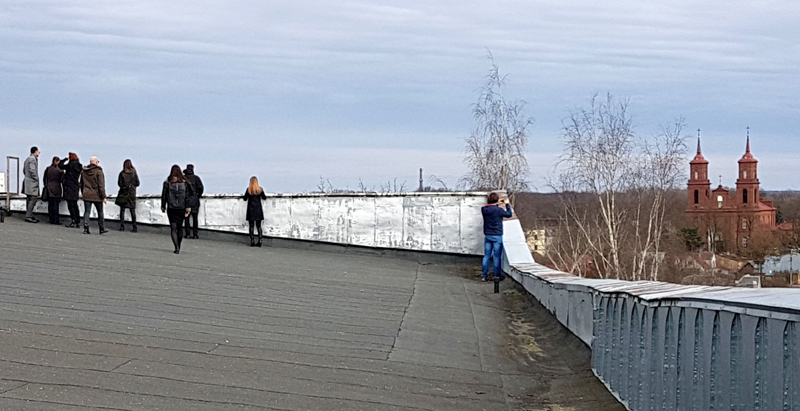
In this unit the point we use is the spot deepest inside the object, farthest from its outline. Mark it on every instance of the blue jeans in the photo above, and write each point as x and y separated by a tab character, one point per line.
492	248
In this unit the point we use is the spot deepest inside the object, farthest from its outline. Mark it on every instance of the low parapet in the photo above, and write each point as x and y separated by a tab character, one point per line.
438	222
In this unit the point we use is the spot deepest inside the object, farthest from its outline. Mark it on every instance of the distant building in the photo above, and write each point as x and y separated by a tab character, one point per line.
537	240
728	218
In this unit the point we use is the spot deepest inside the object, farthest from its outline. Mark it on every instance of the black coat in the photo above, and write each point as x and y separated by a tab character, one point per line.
53	176
127	182
197	188
255	212
72	178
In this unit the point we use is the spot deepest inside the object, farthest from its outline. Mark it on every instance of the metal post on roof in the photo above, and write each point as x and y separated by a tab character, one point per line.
7	207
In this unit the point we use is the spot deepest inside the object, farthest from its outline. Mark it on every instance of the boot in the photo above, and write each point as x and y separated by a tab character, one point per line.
86	230
252	241
258	244
121	227
134	229
194	236
186	234
103	230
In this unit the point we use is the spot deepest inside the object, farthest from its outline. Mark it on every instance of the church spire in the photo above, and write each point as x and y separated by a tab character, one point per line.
699	150
748	156
699	159
748	139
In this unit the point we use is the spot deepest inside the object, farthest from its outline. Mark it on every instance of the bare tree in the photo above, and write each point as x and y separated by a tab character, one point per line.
628	177
659	169
495	153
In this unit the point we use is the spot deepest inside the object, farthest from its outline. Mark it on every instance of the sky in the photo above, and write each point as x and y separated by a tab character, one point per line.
372	91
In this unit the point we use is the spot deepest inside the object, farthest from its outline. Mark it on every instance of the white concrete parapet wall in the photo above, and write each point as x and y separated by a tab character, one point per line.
439	222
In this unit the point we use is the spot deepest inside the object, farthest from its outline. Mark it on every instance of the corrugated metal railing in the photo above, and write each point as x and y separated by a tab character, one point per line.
661	346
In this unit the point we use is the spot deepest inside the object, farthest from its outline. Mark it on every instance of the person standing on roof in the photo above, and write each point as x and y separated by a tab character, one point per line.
93	188
127	181
53	189
255	211
493	214
30	185
72	186
194	201
174	201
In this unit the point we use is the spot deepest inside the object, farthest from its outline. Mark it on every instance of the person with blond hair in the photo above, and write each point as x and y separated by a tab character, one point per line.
255	212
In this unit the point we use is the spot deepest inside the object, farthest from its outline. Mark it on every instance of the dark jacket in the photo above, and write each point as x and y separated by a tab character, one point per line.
255	212
53	177
197	188
168	197
93	183
127	181
493	218
72	178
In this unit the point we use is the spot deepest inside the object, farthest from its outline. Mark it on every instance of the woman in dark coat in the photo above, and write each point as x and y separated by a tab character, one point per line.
255	212
53	177
72	187
127	181
174	201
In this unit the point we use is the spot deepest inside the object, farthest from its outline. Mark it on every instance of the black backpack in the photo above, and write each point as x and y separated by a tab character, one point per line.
176	197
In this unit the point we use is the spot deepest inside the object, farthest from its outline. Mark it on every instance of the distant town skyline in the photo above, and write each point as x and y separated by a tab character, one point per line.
292	92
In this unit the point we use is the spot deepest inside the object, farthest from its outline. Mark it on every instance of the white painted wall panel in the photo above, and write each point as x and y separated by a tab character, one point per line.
443	222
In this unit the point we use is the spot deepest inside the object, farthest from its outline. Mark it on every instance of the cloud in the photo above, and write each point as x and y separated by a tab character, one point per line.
397	77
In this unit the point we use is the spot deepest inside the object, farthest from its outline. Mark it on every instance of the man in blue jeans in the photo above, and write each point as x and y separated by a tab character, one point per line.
493	214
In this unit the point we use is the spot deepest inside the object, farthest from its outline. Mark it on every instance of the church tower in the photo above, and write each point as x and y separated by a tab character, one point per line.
699	184
747	184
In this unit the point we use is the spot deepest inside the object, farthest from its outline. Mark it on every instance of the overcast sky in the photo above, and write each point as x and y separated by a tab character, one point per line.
291	91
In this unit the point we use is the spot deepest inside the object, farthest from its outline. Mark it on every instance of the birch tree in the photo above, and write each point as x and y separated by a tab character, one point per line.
495	152
628	177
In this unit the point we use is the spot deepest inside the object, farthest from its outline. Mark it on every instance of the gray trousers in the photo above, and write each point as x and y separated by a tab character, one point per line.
87	211
31	203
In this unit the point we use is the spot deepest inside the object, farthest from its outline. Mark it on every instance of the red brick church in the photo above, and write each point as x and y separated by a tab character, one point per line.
726	217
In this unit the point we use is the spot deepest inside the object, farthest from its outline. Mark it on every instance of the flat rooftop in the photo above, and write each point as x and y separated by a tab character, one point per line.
119	322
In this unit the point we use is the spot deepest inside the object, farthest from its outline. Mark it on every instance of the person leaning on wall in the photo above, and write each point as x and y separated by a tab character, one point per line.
493	213
53	190
93	187
127	181
72	187
30	184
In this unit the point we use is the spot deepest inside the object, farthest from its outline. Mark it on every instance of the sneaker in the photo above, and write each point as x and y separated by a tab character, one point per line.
484	279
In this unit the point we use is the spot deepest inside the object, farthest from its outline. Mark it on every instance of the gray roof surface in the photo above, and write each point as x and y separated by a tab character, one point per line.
118	322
